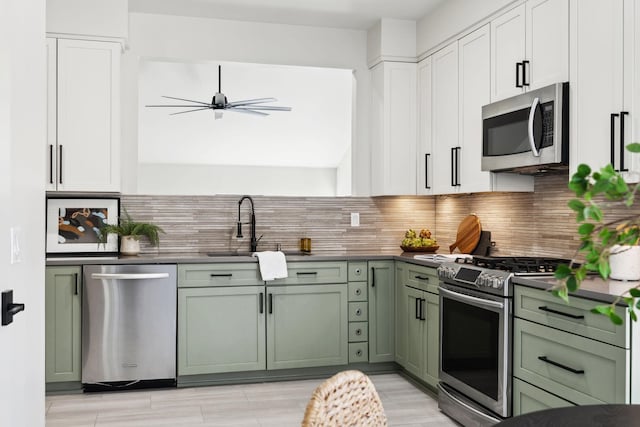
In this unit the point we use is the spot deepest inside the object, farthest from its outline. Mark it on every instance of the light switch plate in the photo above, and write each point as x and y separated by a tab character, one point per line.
355	219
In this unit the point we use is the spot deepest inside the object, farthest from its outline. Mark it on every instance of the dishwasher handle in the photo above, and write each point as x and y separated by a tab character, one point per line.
129	276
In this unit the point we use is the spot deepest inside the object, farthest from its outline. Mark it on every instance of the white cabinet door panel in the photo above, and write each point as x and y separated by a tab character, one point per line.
507	49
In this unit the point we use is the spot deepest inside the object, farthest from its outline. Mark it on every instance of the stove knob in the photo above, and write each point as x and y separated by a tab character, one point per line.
497	283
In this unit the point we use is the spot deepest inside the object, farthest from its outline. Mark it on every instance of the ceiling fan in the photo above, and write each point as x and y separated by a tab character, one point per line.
219	103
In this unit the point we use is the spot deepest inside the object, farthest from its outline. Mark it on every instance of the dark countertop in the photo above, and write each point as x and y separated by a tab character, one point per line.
593	288
203	258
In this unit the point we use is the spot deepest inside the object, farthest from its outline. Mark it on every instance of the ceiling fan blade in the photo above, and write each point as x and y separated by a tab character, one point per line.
264	107
251	101
188	111
188	100
248	111
177	106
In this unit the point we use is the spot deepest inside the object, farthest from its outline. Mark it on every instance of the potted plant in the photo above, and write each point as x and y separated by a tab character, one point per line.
606	243
130	232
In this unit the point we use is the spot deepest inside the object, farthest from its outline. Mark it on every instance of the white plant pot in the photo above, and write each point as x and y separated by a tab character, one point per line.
625	262
129	245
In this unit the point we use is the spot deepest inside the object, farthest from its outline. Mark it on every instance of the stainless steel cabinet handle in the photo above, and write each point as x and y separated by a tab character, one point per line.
471	299
129	276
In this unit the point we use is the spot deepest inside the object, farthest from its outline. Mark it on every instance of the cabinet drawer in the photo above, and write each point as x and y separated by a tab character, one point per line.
358	352
581	370
358	271
357	291
223	274
421	277
528	398
303	273
542	307
358	311
358	331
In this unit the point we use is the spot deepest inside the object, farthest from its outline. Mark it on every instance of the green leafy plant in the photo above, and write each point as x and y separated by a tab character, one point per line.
128	227
597	192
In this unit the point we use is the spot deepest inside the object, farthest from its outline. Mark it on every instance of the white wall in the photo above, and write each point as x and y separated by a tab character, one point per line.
186	38
453	17
108	18
22	197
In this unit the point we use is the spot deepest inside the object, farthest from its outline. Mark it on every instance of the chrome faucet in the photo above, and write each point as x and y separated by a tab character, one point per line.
254	241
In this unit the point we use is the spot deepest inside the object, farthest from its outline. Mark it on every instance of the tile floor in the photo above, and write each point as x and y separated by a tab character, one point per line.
278	404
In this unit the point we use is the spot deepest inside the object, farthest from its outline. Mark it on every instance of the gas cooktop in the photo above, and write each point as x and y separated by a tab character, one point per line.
516	264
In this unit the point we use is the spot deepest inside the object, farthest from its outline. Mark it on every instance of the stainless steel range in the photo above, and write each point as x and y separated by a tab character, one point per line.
476	298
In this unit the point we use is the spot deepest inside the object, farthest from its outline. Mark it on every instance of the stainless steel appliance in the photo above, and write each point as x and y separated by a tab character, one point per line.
128	326
476	298
527	133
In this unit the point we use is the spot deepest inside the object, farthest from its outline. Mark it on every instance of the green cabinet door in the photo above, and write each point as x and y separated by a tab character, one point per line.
430	373
381	311
63	304
401	315
415	331
221	329
307	326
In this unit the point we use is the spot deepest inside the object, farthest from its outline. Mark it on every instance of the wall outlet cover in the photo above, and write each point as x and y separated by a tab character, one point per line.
355	219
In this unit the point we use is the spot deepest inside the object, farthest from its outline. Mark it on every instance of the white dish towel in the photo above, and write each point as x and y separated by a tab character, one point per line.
273	265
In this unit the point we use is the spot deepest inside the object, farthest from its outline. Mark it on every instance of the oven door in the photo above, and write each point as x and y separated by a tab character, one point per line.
475	346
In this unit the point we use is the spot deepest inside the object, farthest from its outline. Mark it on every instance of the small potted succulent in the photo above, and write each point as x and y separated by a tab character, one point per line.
610	246
130	232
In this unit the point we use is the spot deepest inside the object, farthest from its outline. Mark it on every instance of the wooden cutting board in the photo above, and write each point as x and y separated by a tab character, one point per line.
468	235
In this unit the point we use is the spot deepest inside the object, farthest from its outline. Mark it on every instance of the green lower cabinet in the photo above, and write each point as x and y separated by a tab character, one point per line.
221	329
381	281
528	398
421	323
63	303
401	315
307	326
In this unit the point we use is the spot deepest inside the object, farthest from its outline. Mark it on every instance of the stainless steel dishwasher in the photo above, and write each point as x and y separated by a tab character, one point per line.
128	326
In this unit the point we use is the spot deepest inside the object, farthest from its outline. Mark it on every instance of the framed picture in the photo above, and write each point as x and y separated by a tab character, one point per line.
73	225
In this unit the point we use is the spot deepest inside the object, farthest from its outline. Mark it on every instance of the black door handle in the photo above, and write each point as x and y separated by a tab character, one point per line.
561	313
518	65
270	303
622	114
560	365
221	274
426	171
525	82
373	277
457	163
50	163
75	291
307	273
261	302
422	278
9	308
613	139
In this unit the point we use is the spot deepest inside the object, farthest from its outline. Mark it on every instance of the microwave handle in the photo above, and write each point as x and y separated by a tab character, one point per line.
532	114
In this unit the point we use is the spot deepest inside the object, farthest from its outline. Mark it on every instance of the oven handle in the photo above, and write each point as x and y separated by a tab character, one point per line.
532	114
475	300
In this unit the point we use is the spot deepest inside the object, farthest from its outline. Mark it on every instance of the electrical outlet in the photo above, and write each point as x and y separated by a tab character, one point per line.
355	219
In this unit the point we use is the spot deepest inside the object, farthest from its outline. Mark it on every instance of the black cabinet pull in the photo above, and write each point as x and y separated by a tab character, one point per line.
457	164
518	65
221	274
453	153
560	365
75	277
50	163
60	164
525	82
422	278
622	114
422	307
270	303
306	273
550	310
418	308
373	277
426	171
261	302
613	139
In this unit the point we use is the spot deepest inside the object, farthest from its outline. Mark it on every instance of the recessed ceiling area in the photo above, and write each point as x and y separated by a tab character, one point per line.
354	14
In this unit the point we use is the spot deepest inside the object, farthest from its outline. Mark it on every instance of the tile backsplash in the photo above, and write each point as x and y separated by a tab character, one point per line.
538	223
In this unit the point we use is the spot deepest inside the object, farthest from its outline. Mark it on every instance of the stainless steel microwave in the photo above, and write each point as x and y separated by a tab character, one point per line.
527	133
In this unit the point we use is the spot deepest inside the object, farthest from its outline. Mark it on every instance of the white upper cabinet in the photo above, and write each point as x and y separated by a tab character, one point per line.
604	83
460	87
393	129
530	47
444	125
83	99
424	156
